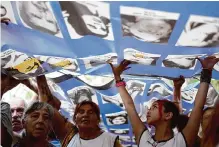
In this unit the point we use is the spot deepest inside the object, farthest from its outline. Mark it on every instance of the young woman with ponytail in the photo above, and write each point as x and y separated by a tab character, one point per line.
163	114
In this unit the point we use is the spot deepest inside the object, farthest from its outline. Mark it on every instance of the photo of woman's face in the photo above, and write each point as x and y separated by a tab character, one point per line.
151	29
37	15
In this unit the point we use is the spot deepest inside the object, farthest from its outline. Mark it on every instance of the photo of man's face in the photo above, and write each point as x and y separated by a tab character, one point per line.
37	15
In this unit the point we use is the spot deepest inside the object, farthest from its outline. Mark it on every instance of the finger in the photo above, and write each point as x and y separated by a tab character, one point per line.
126	63
217	60
111	65
123	61
127	68
198	59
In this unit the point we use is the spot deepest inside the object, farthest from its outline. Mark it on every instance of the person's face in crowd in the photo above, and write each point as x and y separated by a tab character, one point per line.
17	110
153	115
86	117
38	15
119	120
207	117
37	123
151	29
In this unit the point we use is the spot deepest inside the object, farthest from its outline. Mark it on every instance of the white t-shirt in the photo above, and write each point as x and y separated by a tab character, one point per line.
146	140
104	140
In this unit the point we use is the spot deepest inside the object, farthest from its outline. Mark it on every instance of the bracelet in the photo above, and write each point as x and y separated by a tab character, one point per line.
121	80
121	83
206	76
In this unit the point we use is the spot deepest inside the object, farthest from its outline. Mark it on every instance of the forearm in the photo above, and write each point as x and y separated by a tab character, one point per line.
45	94
201	96
136	122
177	98
192	126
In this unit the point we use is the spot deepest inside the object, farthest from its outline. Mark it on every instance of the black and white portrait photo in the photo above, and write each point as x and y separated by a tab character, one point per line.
200	31
82	93
119	131
87	18
38	15
65	63
118	118
7	11
93	61
181	61
147	25
20	65
137	57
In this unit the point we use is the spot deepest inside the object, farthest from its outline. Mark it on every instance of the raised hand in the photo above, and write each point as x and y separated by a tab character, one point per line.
208	62
178	82
117	71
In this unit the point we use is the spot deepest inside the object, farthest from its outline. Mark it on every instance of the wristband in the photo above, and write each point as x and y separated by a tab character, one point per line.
206	76
117	81
121	83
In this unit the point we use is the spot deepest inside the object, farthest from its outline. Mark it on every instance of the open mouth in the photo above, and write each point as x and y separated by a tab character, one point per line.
85	121
40	129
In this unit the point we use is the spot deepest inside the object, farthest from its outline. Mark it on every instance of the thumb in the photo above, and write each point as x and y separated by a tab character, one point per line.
111	65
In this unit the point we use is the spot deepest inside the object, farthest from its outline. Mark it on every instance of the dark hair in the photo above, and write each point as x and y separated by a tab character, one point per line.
182	122
92	104
170	107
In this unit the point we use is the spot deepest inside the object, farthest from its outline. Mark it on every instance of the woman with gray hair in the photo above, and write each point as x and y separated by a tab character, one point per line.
37	121
6	125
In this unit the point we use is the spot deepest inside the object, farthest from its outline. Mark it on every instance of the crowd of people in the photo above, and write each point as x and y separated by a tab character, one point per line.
36	124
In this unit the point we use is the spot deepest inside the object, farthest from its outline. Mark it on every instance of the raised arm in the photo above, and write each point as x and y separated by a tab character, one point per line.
60	125
137	125
191	130
178	82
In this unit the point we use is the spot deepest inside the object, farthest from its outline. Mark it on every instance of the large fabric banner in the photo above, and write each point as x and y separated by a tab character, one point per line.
72	42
